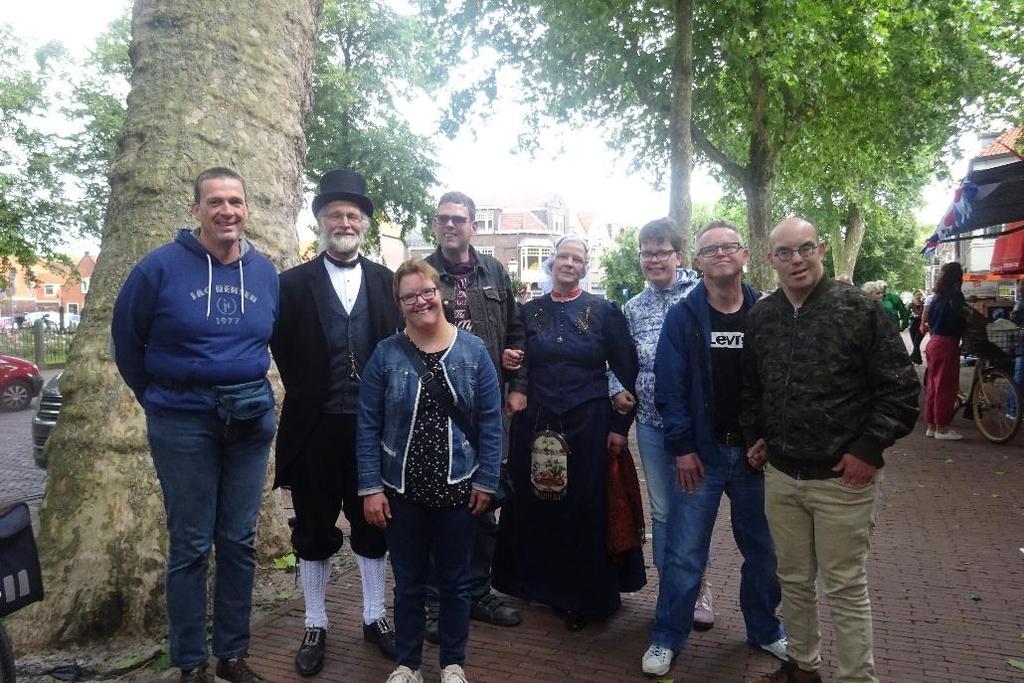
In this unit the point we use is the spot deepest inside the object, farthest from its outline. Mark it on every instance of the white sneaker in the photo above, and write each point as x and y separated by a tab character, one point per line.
929	432
404	674
777	649
657	660
703	609
948	436
453	673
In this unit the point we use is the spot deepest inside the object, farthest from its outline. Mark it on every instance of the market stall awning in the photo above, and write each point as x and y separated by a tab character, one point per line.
990	196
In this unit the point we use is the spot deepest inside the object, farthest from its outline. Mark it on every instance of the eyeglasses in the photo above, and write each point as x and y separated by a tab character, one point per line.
805	250
426	295
338	216
656	255
727	248
442	219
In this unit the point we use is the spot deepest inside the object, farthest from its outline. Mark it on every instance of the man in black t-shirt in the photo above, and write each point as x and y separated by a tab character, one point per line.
698	379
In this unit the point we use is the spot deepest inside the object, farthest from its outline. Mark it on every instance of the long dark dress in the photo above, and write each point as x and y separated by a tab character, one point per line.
554	551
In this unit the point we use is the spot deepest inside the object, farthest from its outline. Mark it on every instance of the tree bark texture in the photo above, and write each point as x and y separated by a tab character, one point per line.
759	182
680	141
846	248
214	83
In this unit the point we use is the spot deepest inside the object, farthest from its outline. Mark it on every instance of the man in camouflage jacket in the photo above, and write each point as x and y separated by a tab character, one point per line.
828	386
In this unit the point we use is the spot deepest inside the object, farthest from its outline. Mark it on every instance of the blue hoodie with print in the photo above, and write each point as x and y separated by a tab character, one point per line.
184	319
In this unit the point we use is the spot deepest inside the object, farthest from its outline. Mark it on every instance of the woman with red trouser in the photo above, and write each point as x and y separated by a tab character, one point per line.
946	322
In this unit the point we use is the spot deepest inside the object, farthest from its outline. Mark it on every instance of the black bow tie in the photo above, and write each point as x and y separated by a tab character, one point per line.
340	263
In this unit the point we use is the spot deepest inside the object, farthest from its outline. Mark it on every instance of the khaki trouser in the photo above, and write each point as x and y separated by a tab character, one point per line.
821	527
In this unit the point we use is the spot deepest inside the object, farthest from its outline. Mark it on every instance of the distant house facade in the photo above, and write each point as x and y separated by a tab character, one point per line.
48	288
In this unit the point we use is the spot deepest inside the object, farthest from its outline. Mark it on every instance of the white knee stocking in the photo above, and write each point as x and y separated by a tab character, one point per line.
314	575
372	571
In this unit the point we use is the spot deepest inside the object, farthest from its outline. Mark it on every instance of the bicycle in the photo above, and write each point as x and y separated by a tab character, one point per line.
994	398
20	576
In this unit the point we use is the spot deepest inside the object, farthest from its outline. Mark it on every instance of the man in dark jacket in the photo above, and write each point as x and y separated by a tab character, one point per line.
334	310
828	386
697	381
478	297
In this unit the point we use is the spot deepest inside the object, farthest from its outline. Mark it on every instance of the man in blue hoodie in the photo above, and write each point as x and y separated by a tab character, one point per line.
698	377
190	328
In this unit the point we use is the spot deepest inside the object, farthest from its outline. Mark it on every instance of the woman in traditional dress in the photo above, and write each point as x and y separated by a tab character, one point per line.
552	543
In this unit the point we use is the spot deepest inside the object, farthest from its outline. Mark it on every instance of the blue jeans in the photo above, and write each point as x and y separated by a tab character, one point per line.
413	533
211	474
659	471
1018	378
688	538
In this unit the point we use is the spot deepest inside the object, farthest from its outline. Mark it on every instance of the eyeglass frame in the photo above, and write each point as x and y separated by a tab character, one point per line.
657	256
405	299
732	247
805	250
442	219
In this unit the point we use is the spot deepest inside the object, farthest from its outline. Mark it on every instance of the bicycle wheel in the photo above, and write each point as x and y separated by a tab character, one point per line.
996	401
6	658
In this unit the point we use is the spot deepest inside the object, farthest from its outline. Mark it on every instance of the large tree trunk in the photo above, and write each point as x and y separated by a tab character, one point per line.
681	153
759	182
846	248
214	83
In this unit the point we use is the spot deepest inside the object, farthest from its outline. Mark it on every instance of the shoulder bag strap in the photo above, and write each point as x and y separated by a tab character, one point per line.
433	386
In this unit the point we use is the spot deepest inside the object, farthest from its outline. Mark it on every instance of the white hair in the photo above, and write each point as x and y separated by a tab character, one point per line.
549	262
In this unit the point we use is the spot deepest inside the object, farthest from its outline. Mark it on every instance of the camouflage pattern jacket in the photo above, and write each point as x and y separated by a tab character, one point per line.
829	378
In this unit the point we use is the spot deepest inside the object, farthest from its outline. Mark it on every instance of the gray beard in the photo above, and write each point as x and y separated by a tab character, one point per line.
343	244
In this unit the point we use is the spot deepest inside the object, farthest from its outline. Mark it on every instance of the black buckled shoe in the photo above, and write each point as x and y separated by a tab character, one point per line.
309	661
493	610
236	670
381	633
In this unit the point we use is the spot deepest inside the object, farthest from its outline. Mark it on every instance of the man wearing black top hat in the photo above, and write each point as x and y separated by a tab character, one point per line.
333	311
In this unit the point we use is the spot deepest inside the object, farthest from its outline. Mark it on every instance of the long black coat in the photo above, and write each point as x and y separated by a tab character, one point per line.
300	348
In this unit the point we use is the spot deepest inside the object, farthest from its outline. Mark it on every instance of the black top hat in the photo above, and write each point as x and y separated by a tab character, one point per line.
347	186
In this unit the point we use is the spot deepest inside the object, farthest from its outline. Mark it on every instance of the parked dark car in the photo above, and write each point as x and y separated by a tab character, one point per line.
20	382
46	417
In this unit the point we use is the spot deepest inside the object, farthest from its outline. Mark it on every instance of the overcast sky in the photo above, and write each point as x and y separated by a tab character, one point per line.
574	163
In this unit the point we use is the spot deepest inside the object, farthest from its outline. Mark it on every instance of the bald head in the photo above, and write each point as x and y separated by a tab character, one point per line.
791	228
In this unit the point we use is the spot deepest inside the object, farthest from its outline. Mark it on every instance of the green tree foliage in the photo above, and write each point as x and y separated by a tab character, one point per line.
368	58
97	107
32	208
621	267
769	77
890	251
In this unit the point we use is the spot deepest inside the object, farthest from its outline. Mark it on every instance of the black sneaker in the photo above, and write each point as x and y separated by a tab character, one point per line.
236	670
492	610
200	674
381	633
310	659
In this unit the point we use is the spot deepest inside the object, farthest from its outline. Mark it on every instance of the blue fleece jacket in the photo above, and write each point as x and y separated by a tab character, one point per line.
183	319
682	375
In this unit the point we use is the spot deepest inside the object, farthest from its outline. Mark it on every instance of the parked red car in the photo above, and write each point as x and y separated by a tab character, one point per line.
20	382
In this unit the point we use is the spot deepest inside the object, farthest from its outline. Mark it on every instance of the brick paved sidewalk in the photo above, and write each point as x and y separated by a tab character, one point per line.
946	575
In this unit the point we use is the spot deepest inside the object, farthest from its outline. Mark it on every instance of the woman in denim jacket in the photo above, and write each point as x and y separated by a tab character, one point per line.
421	477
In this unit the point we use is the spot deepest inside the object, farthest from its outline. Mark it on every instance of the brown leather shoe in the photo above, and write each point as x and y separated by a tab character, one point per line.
790	673
200	674
236	670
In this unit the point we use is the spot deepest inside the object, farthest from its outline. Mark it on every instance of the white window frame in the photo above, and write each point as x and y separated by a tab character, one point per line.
532	256
51	289
485	221
85	285
485	251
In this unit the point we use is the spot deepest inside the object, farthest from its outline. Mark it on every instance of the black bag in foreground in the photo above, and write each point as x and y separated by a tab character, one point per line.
21	582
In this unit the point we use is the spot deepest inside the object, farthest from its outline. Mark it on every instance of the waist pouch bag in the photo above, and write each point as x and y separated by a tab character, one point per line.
245	401
21	582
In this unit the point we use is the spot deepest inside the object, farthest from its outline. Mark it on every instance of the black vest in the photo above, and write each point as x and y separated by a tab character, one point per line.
348	346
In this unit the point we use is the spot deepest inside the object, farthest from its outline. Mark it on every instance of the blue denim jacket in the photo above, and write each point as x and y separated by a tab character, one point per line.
388	399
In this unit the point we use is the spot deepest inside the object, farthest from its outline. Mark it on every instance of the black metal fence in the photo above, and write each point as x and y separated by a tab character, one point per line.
47	347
